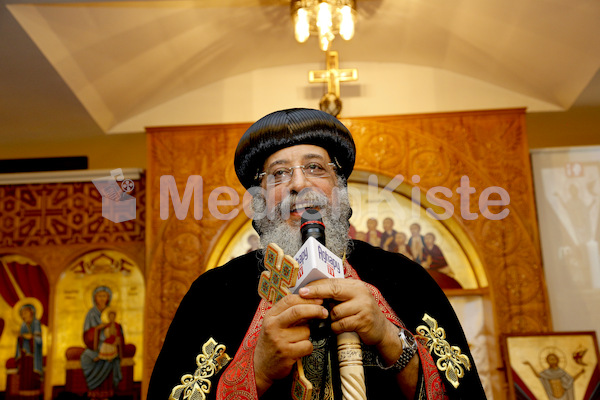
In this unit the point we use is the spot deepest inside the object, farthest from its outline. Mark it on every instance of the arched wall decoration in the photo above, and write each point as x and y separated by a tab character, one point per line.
73	299
489	147
456	247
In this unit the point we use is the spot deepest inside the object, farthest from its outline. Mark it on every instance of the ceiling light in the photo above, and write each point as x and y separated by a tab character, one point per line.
324	19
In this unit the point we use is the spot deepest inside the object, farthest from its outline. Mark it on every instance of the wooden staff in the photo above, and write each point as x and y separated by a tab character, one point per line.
352	374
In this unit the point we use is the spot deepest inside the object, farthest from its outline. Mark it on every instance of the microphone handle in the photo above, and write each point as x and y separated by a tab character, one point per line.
321	328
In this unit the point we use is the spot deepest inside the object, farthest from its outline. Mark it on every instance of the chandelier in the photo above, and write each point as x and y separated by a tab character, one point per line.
325	19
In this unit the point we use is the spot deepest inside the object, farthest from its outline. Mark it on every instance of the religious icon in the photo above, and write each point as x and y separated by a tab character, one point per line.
570	192
103	337
420	248
416	242
433	257
400	245
373	234
112	346
553	366
24	289
387	236
557	382
28	355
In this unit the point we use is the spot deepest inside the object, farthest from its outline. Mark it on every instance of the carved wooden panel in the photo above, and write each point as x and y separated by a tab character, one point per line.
490	148
63	213
177	250
54	223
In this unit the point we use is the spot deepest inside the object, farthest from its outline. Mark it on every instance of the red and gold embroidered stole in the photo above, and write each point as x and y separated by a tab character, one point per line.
237	382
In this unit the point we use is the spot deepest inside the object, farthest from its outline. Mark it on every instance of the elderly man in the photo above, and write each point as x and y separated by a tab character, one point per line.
291	161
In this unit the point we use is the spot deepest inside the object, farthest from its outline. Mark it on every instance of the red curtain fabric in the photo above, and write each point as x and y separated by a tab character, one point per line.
32	281
7	290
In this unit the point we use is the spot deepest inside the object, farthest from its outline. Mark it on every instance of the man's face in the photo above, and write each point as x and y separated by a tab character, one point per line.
278	209
253	241
429	239
400	238
552	360
388	224
291	157
371	224
415	229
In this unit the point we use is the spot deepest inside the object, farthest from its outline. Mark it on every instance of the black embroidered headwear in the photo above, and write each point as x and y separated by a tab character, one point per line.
291	127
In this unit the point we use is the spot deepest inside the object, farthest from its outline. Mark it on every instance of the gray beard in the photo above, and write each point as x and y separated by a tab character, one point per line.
275	229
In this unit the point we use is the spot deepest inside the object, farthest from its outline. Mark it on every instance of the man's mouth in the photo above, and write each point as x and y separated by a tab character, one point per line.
300	207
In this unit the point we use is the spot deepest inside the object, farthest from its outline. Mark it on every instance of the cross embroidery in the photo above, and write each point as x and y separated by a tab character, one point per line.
281	274
196	387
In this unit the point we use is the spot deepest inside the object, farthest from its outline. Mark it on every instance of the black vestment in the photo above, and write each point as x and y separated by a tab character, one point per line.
222	302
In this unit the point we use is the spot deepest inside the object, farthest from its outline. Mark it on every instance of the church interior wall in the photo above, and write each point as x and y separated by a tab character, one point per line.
246	97
222	103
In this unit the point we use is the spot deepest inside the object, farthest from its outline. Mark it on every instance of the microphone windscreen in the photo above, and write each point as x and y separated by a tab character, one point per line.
311	215
311	225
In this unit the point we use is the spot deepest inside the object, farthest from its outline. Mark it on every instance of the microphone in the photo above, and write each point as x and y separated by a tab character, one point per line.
311	225
315	261
318	262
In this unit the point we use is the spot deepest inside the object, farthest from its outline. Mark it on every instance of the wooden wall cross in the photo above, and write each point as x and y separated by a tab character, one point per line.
333	75
281	274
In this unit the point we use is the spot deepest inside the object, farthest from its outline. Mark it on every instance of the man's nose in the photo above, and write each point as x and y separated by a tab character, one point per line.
298	181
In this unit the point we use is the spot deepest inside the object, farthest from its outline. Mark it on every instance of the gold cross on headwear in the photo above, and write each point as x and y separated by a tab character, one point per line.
333	75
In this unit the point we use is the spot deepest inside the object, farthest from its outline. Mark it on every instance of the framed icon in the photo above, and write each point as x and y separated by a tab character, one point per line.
556	365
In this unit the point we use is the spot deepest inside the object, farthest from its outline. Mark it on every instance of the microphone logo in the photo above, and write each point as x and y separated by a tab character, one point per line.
315	260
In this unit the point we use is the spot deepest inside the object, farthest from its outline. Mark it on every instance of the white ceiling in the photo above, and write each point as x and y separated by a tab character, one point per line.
89	68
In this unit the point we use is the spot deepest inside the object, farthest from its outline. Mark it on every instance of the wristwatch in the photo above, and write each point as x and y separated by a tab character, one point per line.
409	348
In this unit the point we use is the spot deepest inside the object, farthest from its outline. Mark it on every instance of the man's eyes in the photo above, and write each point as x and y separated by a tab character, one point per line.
281	172
314	167
310	167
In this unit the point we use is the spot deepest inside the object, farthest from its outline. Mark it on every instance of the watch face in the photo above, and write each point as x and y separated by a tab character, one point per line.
407	339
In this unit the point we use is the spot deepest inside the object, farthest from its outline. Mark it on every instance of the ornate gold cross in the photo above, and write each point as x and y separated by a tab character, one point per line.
281	274
333	75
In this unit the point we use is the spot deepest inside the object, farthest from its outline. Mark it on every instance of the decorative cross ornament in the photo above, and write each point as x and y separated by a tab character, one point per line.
331	102
333	75
281	274
196	387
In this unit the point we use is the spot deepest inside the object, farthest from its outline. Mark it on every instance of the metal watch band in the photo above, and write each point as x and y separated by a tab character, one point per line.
409	348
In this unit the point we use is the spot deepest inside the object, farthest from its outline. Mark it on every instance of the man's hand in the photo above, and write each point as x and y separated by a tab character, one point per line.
356	311
284	338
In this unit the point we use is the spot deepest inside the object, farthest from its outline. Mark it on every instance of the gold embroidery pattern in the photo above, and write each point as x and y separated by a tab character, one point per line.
450	358
197	386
